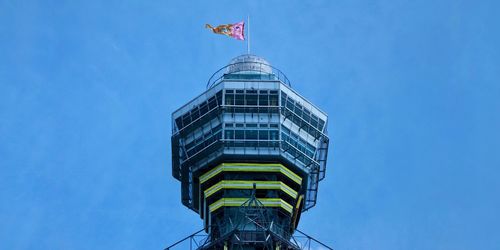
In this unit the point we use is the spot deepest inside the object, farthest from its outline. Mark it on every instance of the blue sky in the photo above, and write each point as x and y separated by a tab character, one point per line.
412	90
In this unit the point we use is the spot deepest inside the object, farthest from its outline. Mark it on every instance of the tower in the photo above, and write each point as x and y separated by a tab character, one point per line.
249	153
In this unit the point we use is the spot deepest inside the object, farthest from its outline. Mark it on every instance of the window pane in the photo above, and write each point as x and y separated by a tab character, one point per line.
273	134
251	134
229	99
263	100
212	103
239	134
240	99
204	108
273	100
229	134
251	99
263	135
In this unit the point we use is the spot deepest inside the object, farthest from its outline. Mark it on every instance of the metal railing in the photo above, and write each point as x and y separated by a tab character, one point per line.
262	69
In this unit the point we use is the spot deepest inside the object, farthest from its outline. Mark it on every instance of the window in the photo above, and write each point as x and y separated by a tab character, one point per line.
239	134
273	134
263	135
186	119
251	100
199	111
240	99
229	134
273	99
300	149
263	100
302	117
212	103
204	108
229	99
195	113
251	134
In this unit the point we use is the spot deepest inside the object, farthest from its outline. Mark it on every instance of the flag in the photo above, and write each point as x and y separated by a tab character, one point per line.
236	30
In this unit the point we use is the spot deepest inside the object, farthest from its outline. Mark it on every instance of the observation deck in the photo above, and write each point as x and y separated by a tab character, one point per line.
248	67
249	141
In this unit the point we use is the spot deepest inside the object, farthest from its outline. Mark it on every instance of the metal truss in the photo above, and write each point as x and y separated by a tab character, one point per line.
200	239
253	227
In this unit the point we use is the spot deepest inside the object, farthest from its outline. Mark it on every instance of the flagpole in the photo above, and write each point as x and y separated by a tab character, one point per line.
248	40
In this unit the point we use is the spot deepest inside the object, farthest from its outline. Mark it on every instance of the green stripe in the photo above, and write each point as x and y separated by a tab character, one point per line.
250	167
236	202
232	184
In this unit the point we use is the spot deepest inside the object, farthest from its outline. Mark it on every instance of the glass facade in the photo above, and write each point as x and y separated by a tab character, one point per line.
301	116
249	116
242	118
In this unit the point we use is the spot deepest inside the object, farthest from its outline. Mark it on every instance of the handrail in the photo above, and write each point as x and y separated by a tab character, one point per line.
187	237
219	74
313	239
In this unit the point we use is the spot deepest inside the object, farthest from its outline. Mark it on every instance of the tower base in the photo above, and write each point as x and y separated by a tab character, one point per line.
252	229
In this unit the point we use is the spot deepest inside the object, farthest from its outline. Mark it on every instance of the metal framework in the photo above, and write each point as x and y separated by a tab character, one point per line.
253	227
196	240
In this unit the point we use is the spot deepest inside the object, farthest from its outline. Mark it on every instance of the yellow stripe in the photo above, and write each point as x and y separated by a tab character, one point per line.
250	167
232	184
236	202
299	201
296	212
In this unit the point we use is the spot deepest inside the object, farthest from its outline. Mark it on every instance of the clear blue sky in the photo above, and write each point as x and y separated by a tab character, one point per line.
412	90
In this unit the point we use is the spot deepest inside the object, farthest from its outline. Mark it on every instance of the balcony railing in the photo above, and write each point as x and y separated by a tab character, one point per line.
261	70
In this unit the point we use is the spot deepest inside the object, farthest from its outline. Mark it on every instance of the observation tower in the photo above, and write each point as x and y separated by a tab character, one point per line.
249	153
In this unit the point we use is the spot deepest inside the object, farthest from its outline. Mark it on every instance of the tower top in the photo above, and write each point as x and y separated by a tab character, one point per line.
249	153
250	63
248	66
